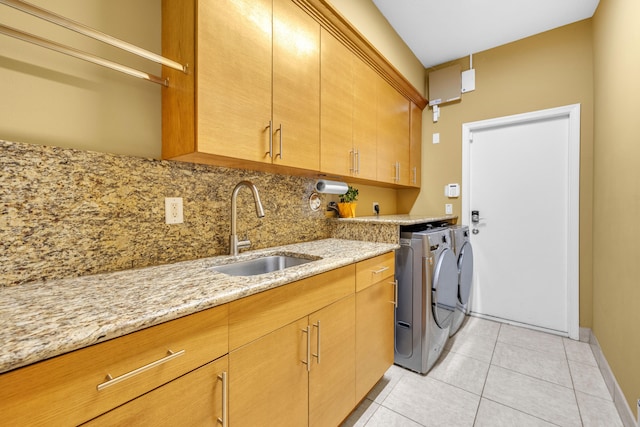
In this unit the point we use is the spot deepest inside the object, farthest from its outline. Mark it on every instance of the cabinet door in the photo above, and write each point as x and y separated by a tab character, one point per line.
374	334
336	108
296	87
415	151
393	135
268	381
234	78
365	119
332	375
194	399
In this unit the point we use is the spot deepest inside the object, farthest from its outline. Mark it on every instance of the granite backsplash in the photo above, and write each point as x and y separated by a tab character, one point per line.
68	213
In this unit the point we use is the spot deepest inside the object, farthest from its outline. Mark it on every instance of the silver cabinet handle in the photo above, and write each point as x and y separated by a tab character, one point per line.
415	174
270	152
224	420
396	176
395	293
383	269
111	381
352	157
280	153
357	162
308	361
317	355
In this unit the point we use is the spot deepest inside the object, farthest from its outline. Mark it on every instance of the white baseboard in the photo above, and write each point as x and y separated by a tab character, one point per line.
626	415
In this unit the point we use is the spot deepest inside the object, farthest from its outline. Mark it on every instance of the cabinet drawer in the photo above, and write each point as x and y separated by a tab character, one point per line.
64	390
375	270
195	399
257	315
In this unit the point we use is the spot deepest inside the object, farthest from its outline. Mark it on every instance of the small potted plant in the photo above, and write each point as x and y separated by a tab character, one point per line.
347	205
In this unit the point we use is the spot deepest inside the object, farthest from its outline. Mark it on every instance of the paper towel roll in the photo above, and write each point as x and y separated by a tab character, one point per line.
331	187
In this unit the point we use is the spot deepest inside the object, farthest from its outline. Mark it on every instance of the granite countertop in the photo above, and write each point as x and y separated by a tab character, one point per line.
399	219
45	319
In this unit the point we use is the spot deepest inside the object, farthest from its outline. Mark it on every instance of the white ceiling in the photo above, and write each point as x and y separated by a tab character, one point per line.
439	31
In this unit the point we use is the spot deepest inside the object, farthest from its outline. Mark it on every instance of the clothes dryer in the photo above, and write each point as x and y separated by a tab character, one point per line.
464	256
427	276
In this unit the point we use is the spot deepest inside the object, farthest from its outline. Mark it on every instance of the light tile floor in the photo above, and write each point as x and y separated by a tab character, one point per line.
494	375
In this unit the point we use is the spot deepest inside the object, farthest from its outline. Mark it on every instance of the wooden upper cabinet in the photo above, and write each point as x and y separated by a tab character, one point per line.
365	139
336	108
415	149
348	112
296	87
234	71
282	86
257	62
393	135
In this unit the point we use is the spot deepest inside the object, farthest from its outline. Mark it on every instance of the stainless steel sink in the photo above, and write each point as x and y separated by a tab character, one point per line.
266	264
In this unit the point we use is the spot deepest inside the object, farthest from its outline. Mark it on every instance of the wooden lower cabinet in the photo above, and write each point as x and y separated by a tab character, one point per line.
374	335
195	399
332	376
73	388
300	354
268	382
301	374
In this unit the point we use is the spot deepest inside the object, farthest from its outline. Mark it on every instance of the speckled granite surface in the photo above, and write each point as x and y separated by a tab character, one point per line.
69	213
44	319
398	219
382	228
381	233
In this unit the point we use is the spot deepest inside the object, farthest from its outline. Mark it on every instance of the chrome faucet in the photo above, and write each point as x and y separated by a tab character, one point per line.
234	244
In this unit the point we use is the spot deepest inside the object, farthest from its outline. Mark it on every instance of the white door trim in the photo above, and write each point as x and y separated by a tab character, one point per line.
573	220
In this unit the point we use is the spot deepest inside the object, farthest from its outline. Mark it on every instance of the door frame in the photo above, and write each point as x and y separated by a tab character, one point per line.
573	169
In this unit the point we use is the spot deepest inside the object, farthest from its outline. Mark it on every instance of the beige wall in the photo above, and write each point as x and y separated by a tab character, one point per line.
616	270
53	99
544	71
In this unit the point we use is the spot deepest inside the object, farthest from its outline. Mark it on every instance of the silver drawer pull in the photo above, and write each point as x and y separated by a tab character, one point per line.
111	381
224	420
383	269
307	362
317	355
395	293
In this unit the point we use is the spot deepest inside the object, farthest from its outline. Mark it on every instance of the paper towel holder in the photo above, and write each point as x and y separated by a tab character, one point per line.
331	187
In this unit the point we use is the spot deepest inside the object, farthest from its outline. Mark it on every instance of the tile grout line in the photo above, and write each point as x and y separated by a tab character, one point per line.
522	412
573	384
475	418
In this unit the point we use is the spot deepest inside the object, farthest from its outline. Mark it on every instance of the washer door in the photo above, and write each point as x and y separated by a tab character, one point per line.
444	288
465	267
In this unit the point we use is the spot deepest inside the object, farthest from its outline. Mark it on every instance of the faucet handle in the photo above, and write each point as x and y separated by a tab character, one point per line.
246	243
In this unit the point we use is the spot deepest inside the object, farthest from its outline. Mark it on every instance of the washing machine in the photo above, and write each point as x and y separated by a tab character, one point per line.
427	275
464	258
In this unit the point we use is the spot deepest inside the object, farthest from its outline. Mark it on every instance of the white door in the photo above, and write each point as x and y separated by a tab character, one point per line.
521	173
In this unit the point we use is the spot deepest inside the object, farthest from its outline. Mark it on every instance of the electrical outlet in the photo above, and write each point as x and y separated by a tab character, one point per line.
173	210
376	208
448	209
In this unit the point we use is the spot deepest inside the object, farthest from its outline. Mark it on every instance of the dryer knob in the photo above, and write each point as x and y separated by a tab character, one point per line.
444	239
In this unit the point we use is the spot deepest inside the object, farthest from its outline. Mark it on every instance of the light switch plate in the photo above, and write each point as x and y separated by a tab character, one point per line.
436	138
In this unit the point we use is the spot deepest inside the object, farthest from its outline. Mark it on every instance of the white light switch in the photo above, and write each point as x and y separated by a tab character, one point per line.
436	138
448	209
